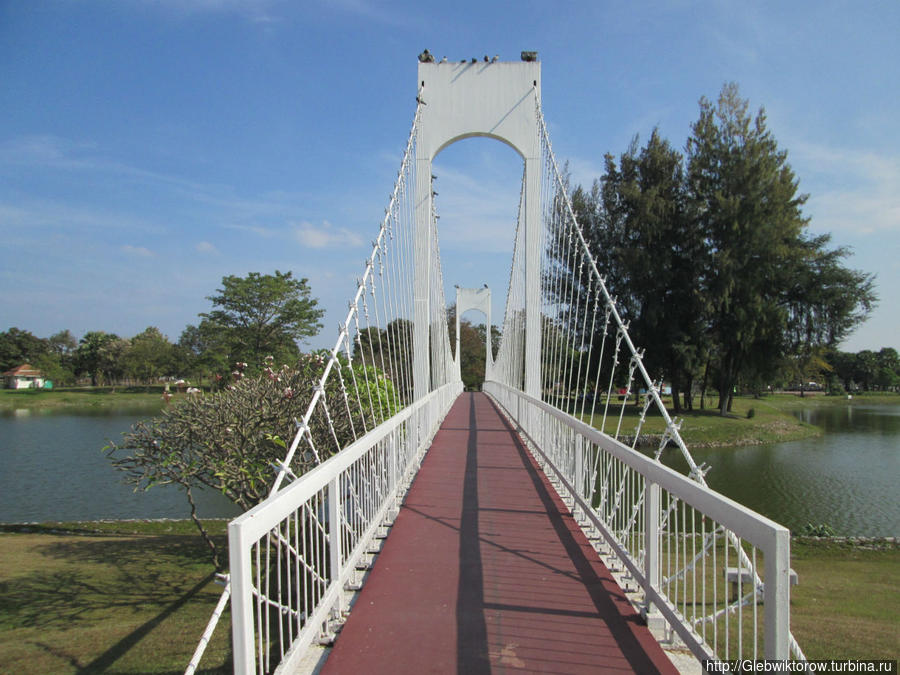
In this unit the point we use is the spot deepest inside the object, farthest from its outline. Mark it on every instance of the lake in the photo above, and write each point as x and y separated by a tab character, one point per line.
847	478
52	468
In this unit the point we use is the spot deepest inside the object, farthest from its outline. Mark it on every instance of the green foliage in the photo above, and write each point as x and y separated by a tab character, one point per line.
98	355
711	262
19	346
820	530
473	345
149	356
263	314
390	351
866	370
645	224
229	440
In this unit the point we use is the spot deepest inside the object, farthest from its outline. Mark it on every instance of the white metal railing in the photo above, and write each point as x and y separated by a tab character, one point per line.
292	555
695	553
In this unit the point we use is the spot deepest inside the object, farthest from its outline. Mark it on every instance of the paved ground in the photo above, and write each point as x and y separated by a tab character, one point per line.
485	571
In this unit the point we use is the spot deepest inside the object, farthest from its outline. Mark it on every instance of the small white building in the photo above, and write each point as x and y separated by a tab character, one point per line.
24	377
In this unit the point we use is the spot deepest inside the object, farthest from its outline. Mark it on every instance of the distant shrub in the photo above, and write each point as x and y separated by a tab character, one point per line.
751	413
230	440
821	530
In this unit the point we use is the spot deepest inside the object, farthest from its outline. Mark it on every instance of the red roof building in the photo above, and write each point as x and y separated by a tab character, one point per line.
24	377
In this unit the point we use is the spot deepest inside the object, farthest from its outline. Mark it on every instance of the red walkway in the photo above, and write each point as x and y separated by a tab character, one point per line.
485	570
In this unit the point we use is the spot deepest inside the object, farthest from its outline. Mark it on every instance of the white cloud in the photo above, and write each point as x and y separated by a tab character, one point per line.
44	150
325	235
856	191
477	212
206	247
137	251
30	216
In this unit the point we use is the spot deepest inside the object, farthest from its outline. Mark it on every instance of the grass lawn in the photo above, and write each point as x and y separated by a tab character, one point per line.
706	428
133	597
770	421
114	598
847	604
143	398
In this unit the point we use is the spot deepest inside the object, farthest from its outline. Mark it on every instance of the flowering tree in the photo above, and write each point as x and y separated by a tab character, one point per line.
234	440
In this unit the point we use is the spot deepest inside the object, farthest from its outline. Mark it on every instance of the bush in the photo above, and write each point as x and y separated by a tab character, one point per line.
821	530
230	440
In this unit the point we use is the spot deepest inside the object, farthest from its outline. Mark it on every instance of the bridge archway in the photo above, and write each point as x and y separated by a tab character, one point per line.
474	299
464	100
477	187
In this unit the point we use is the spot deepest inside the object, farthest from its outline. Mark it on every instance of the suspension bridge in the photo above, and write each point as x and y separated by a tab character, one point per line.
513	529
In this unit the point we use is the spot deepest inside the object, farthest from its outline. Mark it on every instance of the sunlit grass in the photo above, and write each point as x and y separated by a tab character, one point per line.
143	398
847	604
113	602
766	423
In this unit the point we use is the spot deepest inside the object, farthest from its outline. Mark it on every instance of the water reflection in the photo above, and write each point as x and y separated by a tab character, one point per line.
846	478
52	467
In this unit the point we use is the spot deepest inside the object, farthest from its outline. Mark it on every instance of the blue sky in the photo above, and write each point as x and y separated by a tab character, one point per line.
149	148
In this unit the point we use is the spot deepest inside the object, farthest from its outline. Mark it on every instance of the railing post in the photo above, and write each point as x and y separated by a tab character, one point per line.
651	548
393	462
239	562
334	533
777	597
578	473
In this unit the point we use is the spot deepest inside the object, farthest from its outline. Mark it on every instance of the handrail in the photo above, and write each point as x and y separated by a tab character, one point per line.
655	520
291	555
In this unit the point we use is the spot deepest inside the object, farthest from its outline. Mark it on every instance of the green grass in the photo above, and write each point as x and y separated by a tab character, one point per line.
771	420
793	402
134	597
128	597
847	604
706	428
144	398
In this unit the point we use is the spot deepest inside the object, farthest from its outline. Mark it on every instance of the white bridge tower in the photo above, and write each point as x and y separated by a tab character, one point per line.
496	100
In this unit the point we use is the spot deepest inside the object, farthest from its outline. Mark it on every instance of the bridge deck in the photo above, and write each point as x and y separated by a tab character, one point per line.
485	570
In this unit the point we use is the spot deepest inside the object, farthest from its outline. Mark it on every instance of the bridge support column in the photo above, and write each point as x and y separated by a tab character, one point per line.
651	554
422	290
494	100
533	246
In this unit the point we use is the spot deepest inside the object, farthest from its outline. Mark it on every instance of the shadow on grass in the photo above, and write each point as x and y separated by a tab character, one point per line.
123	646
111	581
114	575
103	662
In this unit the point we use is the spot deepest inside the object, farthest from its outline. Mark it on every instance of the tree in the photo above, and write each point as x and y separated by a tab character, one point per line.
263	314
472	347
97	355
228	441
773	289
390	351
844	364
866	370
20	346
660	252
202	351
63	343
888	378
496	335
149	356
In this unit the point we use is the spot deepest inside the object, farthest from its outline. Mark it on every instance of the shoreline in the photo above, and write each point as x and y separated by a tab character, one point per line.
753	421
156	526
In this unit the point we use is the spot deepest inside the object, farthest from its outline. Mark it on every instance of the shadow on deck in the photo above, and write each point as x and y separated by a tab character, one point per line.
486	570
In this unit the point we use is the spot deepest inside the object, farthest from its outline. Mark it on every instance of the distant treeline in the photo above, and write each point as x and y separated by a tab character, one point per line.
149	357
